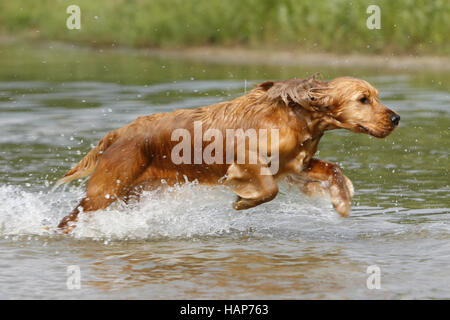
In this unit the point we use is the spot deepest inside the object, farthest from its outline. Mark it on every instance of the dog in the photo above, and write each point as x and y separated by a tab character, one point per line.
139	155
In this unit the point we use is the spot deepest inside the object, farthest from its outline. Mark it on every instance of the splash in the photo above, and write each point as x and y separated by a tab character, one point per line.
184	211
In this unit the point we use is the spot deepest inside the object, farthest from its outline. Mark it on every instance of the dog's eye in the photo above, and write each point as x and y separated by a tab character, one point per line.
364	100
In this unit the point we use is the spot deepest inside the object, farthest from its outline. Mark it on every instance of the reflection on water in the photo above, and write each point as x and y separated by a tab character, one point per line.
188	242
218	273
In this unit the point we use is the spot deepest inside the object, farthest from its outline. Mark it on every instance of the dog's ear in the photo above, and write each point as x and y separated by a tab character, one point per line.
320	98
266	85
311	94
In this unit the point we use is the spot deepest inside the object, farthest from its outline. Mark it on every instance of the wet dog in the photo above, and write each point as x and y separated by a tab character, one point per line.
292	116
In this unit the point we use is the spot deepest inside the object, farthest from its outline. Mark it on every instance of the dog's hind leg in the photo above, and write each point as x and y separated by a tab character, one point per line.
113	177
253	183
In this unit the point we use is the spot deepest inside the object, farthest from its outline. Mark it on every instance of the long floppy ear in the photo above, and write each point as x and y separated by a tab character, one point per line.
321	98
311	94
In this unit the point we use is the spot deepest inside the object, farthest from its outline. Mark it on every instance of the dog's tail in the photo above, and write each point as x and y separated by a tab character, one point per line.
87	165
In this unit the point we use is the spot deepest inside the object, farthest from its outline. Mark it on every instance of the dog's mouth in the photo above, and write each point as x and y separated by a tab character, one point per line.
359	128
375	133
363	129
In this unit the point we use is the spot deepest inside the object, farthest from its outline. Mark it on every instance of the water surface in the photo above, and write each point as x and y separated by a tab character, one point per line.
56	103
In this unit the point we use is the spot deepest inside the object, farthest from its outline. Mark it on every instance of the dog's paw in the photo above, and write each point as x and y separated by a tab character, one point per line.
240	204
349	187
342	207
341	201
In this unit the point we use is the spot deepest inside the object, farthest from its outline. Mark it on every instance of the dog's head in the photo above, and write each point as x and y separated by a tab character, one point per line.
344	102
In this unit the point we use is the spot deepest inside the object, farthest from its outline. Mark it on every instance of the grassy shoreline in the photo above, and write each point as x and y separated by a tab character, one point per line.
407	27
249	56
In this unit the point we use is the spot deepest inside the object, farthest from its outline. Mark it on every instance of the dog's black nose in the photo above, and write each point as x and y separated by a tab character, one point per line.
395	119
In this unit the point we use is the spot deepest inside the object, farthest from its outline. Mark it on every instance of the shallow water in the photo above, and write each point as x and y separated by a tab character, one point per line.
55	103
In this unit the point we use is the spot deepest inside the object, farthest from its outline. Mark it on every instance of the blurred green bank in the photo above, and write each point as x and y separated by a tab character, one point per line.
407	26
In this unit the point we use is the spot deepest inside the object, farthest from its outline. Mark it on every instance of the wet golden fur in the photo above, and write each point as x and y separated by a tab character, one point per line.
138	155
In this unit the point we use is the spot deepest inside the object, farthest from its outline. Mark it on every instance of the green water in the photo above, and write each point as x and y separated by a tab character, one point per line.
56	102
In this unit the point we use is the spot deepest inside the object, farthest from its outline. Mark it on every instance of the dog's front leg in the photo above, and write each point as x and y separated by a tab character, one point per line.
253	183
325	178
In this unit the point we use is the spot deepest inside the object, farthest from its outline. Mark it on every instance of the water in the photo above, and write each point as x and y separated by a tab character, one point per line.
55	103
